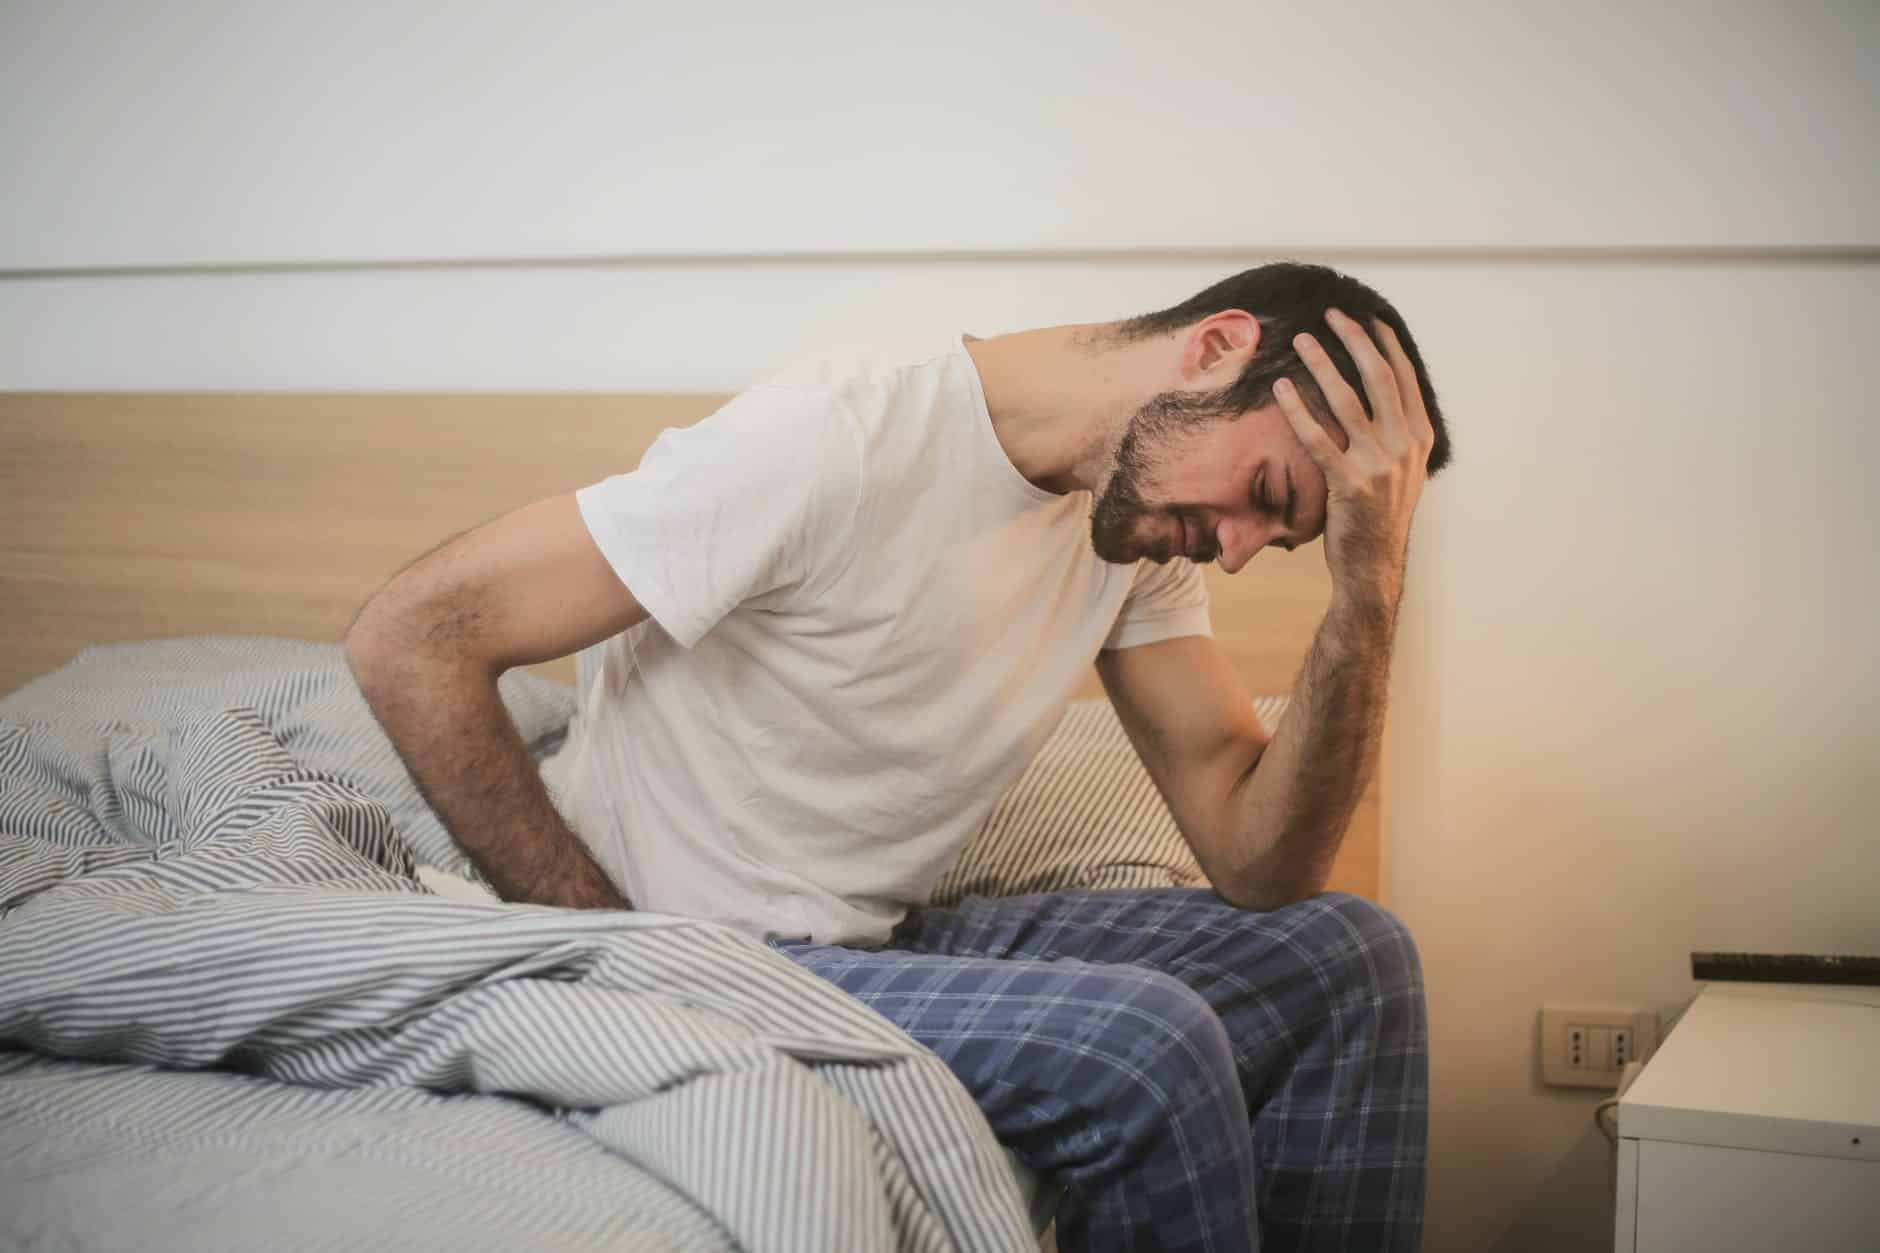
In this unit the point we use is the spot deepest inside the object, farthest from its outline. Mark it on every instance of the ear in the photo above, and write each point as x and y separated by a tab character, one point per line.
1218	347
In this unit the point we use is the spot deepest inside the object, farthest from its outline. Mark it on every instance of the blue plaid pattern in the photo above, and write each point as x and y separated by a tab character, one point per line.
1196	1076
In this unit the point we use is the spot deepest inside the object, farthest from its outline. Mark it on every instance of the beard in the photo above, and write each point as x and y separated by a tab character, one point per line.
1121	509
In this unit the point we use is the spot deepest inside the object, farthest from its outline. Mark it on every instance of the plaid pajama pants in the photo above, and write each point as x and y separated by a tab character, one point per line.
1196	1076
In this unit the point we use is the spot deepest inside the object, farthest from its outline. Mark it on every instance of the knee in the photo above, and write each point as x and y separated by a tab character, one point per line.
1128	1059
1168	1035
1365	947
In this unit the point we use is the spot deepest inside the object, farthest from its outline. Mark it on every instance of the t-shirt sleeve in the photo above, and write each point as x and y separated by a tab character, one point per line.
755	501
1165	601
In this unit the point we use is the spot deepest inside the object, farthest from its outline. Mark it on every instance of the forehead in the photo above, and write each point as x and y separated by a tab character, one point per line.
1221	467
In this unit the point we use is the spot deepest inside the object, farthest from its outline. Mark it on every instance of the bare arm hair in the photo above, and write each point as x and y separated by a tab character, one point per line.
1265	815
1295	803
427	650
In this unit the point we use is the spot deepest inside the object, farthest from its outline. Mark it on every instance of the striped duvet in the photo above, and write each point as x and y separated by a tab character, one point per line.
231	1016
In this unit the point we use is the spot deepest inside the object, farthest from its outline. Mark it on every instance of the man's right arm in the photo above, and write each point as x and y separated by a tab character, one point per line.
427	651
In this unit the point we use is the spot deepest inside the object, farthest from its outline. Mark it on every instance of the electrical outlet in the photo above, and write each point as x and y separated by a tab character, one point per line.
1588	1046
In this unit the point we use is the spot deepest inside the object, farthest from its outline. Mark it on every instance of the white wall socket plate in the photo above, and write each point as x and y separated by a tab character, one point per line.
1586	1046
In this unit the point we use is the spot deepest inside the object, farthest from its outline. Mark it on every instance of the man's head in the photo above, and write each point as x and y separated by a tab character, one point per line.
1212	469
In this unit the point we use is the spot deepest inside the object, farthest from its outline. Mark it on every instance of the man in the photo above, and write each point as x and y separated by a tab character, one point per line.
828	625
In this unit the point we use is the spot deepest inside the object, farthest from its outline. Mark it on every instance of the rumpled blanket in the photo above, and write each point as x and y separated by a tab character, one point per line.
180	892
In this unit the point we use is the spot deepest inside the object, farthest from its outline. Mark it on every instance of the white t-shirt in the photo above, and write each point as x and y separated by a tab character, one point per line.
864	622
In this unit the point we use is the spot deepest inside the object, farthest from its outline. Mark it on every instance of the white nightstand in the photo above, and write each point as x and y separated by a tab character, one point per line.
1756	1126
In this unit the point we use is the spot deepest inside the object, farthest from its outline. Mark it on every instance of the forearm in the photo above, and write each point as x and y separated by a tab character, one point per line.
1294	807
447	721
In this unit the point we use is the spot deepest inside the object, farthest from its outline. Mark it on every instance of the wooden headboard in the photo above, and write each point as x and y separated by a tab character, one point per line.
138	515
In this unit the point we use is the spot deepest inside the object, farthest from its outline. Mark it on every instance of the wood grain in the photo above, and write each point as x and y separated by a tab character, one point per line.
139	515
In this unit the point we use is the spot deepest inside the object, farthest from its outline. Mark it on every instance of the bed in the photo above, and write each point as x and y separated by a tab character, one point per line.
249	988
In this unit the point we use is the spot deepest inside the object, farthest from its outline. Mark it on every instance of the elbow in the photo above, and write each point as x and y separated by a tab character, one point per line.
356	643
1265	890
384	634
364	650
364	641
1267	900
400	633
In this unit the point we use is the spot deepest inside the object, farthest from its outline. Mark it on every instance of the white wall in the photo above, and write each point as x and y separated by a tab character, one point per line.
1638	699
1637	705
229	130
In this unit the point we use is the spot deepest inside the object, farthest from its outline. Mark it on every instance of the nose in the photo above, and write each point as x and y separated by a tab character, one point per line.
1240	540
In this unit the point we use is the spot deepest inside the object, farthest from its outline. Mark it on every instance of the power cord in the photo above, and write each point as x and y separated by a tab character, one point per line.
1631	1072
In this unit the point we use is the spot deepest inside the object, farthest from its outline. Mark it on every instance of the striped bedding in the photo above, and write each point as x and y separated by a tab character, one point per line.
1084	814
232	1017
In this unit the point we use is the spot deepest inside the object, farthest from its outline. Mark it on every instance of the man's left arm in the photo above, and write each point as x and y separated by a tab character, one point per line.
1265	817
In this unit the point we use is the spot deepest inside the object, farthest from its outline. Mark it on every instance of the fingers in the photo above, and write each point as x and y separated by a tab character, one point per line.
1338	394
1422	430
1319	446
1380	380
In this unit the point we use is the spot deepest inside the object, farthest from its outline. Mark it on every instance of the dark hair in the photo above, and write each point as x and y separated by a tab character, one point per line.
1289	297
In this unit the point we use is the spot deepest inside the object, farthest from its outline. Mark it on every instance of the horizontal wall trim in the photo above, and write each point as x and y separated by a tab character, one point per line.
1642	254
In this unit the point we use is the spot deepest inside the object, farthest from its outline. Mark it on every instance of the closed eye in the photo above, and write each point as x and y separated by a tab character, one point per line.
1263	504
